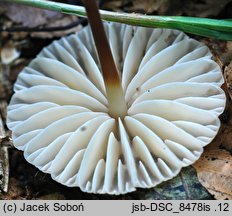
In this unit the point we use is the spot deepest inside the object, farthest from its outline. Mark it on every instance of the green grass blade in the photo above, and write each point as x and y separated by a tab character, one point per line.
213	28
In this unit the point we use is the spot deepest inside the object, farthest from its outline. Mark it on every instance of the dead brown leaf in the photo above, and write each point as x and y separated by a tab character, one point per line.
214	168
29	16
33	19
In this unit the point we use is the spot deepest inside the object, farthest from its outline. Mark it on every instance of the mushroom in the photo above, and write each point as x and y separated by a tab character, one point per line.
63	119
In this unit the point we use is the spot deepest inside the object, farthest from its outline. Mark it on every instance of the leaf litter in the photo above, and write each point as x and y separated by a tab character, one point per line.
213	175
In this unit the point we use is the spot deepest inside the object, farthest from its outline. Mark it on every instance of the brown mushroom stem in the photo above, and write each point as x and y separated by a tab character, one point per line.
115	94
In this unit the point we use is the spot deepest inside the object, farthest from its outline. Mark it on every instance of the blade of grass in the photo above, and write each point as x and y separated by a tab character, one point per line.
213	28
214	24
202	31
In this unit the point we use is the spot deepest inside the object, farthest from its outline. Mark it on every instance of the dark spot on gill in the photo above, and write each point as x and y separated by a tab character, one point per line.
83	128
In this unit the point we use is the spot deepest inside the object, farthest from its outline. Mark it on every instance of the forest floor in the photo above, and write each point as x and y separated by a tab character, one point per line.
28	30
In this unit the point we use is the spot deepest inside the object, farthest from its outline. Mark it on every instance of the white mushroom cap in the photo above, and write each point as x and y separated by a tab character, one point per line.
59	116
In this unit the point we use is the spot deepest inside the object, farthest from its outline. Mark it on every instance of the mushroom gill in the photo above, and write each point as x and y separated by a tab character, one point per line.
59	113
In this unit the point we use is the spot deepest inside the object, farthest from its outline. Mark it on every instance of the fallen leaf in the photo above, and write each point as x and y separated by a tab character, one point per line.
29	16
214	168
34	19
